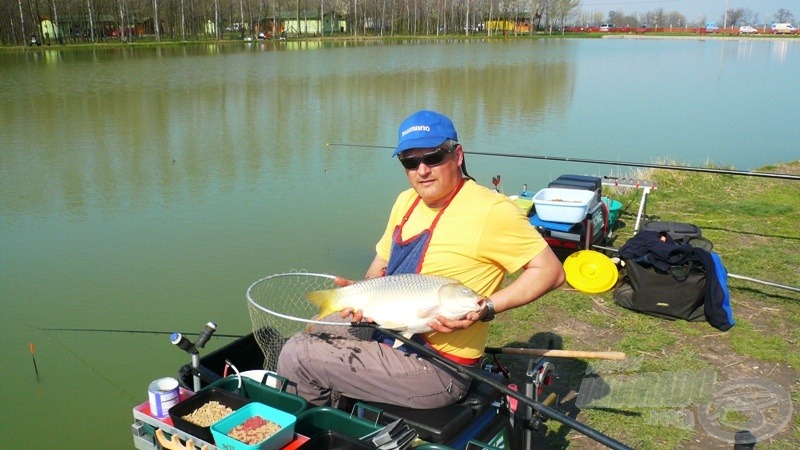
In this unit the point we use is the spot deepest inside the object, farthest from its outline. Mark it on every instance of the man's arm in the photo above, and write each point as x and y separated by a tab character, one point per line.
377	268
540	275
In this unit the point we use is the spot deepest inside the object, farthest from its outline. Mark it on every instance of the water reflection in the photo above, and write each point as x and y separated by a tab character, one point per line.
146	188
780	50
101	135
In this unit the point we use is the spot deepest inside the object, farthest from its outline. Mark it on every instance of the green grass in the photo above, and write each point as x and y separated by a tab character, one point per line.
762	345
754	224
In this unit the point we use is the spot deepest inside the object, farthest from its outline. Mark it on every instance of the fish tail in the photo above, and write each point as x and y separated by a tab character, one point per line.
324	300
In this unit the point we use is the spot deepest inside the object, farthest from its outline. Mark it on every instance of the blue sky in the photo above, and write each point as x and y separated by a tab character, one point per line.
692	9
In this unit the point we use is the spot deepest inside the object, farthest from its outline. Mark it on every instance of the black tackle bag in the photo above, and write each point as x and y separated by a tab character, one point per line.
681	233
675	294
672	280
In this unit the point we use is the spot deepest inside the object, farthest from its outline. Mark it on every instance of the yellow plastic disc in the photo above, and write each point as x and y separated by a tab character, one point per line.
590	271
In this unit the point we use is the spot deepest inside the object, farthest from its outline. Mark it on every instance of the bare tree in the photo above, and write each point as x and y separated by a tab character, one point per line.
783	15
22	21
734	17
91	19
563	10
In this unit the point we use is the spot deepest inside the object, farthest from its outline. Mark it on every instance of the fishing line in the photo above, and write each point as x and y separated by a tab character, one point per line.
784	176
92	368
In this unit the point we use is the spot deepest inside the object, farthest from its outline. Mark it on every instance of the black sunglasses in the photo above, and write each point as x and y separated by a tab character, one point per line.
432	159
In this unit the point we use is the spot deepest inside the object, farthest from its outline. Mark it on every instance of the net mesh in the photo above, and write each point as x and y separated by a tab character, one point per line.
278	309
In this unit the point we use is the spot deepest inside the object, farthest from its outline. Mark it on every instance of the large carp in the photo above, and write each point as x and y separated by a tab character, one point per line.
404	303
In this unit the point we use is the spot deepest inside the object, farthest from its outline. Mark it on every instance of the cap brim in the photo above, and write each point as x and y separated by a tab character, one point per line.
428	142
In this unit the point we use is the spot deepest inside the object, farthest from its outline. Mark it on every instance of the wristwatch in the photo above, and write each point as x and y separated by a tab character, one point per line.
490	311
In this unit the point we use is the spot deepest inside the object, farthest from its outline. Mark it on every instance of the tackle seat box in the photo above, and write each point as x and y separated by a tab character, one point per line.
441	425
595	183
438	425
583	182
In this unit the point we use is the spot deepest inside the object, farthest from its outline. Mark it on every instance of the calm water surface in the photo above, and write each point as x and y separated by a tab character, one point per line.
145	189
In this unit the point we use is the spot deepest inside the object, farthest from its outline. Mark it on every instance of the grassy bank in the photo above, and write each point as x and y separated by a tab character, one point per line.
753	223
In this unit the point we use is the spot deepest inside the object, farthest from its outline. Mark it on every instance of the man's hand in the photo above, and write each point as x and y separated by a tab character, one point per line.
342	282
357	315
443	325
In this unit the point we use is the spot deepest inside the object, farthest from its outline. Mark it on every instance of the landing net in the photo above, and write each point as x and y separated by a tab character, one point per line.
278	309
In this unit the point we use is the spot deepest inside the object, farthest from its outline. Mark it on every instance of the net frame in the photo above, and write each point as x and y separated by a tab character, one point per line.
278	309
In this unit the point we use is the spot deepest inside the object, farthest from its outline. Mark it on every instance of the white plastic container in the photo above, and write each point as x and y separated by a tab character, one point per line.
563	205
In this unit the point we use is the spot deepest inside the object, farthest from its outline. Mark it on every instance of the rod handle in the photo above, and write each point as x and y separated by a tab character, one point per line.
557	353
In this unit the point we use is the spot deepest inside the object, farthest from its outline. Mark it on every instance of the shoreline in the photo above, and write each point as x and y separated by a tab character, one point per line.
736	37
368	38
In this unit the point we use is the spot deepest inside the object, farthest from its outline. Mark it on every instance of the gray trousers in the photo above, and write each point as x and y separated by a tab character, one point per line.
325	366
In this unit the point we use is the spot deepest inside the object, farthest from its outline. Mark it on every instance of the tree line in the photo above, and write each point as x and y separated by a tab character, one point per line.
71	21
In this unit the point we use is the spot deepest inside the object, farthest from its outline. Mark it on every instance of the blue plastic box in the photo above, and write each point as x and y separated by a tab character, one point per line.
285	435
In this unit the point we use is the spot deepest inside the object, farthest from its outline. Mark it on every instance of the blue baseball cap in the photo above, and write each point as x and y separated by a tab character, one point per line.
424	129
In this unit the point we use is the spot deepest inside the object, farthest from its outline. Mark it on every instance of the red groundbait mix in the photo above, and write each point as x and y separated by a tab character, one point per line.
254	430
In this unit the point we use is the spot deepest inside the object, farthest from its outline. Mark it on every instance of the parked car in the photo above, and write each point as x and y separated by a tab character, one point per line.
747	29
783	28
711	27
605	27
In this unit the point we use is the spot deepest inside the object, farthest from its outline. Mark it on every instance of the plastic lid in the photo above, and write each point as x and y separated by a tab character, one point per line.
590	271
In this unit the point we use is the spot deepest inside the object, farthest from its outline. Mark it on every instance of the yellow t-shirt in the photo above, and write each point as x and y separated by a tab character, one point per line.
480	236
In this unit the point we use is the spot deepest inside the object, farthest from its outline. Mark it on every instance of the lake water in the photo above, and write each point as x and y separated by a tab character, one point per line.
145	189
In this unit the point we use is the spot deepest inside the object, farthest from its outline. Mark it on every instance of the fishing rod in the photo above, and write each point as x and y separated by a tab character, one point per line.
618	356
478	375
99	330
784	176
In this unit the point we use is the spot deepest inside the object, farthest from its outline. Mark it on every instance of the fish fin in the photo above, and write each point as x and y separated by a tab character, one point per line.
324	300
398	342
424	313
394	326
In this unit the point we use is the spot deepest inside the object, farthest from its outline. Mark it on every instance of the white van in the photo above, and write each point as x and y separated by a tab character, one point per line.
783	28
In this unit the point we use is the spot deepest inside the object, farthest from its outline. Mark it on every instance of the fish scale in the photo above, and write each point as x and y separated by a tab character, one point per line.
405	303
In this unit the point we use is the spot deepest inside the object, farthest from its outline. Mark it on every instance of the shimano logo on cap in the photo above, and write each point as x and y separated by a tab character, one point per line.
415	128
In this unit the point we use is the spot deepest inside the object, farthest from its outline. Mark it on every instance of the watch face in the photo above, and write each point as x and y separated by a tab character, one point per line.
489	311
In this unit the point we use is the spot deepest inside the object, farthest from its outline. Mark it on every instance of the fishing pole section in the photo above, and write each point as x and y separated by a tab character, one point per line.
275	298
782	176
481	376
125	331
646	188
520	411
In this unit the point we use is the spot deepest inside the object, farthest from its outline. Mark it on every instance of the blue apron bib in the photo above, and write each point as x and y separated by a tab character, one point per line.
407	257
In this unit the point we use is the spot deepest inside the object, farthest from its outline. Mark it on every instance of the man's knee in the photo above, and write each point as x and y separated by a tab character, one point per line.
288	358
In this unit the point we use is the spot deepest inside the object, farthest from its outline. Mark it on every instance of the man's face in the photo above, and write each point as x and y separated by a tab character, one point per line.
434	173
